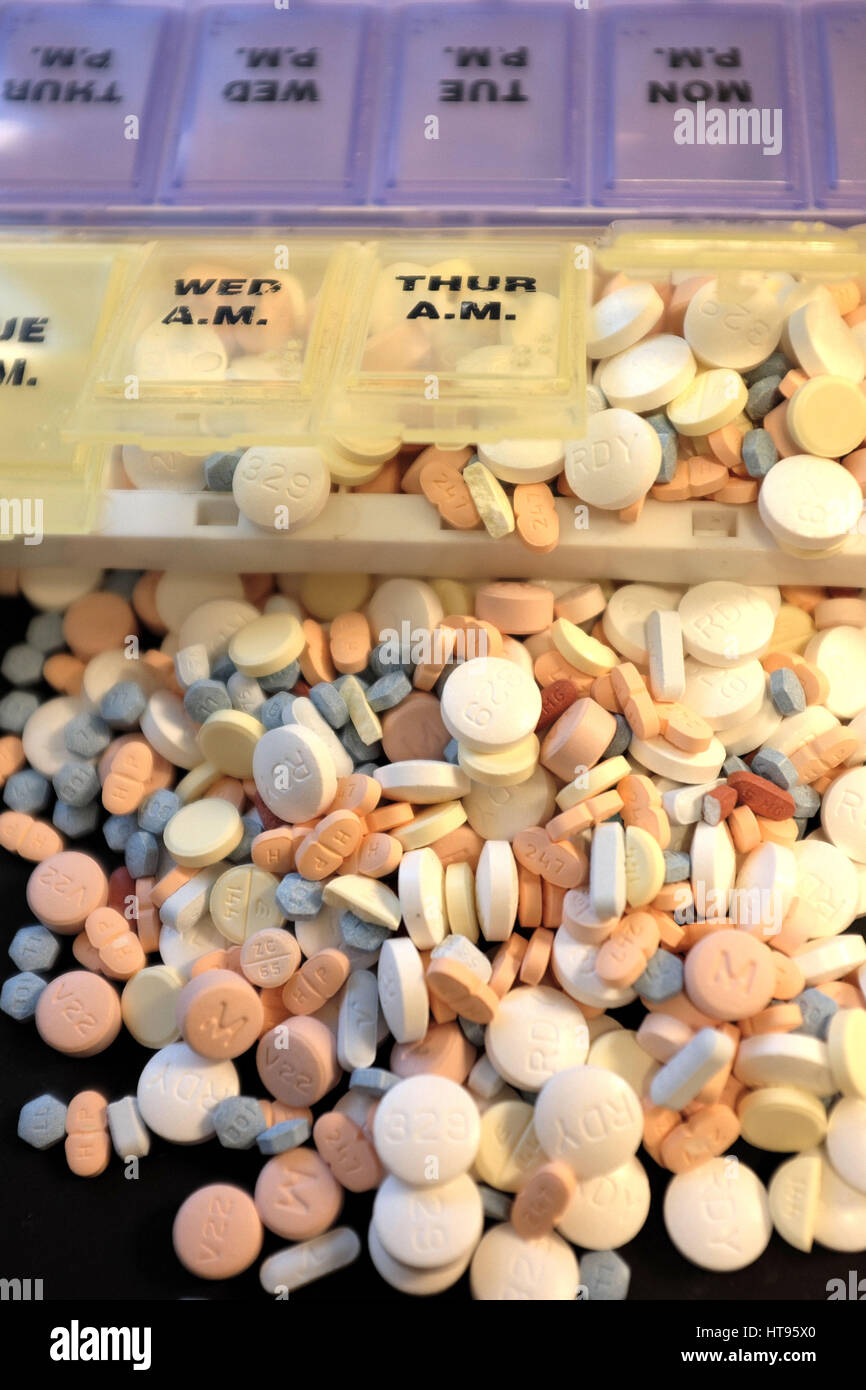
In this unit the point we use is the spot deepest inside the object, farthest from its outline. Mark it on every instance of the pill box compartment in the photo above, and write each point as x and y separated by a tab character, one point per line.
698	106
485	105
275	107
455	339
84	92
217	343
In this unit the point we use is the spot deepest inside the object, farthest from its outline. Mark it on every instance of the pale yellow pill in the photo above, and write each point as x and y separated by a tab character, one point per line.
203	833
228	739
430	825
267	645
644	866
714	399
243	901
490	499
793	630
197	783
782	1119
148	1005
591	781
504	767
460	900
585	652
326	596
454	596
827	416
366	897
618	1050
509	1149
846	1041
794	1193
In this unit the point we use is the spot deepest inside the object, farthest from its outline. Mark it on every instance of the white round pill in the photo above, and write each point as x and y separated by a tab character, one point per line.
427	1129
648	375
718	1215
840	1221
403	990
823	343
281	488
163	470
616	462
166	352
840	652
725	624
608	1210
843	813
421	1282
498	813
44	735
178	1091
724	696
294	773
622	318
624	619
589	1117
536	1032
399	601
810	503
573	964
523	460
489	703
506	1267
428	1226
734	325
712	400
846	1141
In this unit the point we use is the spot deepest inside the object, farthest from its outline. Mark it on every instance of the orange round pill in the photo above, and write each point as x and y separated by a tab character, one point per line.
297	1061
358	793
730	975
297	1195
217	1232
543	1200
78	1013
64	889
98	622
444	1050
219	1014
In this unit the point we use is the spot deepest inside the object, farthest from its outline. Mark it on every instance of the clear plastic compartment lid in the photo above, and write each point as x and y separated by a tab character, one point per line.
83	94
221	340
697	105
277	106
653	249
836	42
459	338
485	104
56	297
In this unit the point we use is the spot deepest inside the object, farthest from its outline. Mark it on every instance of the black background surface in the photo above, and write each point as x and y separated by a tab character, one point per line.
109	1238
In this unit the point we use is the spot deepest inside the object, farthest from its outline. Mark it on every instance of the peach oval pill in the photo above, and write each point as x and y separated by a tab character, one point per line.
543	1200
219	1014
348	1152
64	889
297	1195
297	1061
217	1232
88	1146
78	1013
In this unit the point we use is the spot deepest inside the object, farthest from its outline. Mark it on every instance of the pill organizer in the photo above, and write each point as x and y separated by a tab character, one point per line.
178	346
448	110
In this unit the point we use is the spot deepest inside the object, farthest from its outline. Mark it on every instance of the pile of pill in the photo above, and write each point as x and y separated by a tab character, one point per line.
413	845
739	389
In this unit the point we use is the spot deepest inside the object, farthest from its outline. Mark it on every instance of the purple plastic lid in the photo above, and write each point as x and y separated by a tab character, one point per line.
485	105
277	107
697	107
836	44
83	93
